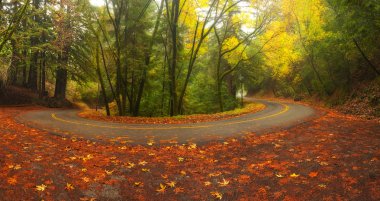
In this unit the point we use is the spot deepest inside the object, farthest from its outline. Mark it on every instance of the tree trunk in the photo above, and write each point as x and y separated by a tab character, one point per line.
102	83
12	71
24	68
32	78
172	74
61	78
366	58
43	76
139	94
33	69
219	81
147	61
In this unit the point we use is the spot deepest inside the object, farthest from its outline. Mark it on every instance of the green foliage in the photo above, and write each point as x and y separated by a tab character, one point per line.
148	62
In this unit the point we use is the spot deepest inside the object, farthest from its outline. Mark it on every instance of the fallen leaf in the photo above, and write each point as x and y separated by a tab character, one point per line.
69	187
279	175
294	175
224	182
178	190
214	174
217	195
138	184
41	187
12	181
130	165
86	179
109	172
162	189
171	184
313	174
207	183
143	163
164	176
192	146
145	170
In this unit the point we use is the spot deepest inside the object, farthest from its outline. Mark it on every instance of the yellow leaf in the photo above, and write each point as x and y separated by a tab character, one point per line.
224	182
214	174
84	169
217	195
69	187
162	189
180	159
207	183
138	184
279	175
88	157
171	184
145	170
41	187
123	147
109	172
294	175
143	163
17	167
192	146
130	165
86	179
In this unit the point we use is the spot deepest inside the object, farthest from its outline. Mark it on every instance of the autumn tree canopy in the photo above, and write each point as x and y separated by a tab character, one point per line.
171	57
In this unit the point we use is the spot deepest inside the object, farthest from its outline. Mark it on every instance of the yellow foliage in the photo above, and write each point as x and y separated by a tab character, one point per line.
233	57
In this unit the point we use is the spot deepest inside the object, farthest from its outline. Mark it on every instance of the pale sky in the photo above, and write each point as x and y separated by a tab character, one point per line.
97	2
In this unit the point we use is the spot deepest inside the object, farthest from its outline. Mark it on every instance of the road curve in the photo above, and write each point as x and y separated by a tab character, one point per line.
66	122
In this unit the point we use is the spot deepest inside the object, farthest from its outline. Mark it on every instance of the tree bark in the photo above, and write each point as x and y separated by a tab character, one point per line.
173	66
100	77
366	58
61	78
32	78
34	41
43	76
24	68
12	71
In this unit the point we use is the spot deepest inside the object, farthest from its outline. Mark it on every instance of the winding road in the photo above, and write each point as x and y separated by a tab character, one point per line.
275	116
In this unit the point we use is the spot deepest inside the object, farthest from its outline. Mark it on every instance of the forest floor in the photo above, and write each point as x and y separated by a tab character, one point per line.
334	157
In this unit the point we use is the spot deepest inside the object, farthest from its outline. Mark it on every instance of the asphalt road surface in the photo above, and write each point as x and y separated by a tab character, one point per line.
275	116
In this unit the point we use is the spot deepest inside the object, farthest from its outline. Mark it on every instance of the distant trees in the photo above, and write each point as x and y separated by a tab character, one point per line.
322	47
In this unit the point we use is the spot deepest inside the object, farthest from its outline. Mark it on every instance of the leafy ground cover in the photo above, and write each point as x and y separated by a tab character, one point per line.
100	115
334	157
